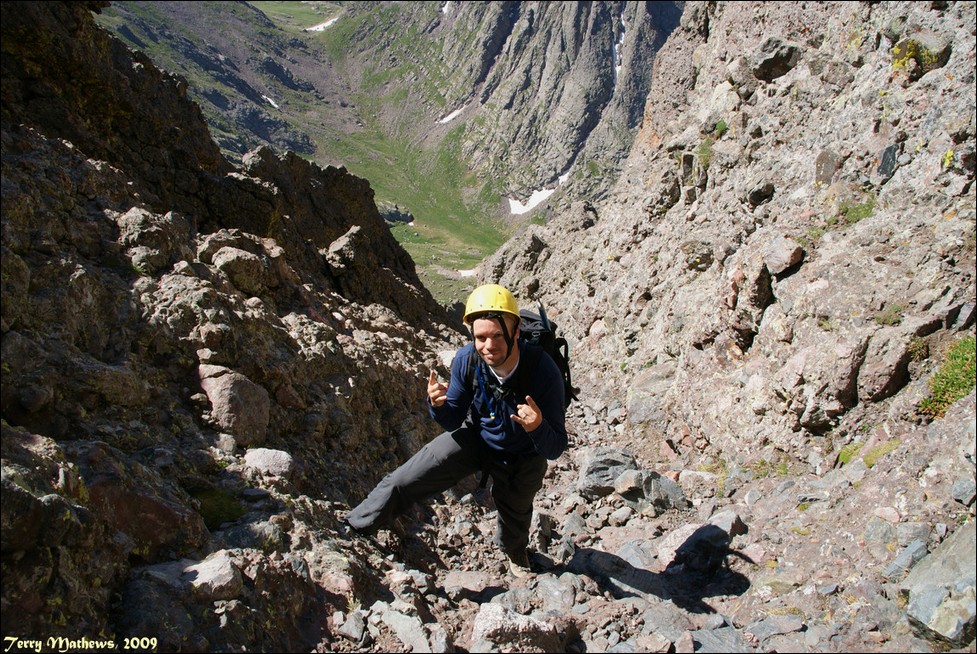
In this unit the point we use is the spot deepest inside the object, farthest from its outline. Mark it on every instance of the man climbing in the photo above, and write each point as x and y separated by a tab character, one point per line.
503	413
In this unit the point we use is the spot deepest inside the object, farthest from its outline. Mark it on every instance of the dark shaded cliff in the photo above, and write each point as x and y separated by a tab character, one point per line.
165	312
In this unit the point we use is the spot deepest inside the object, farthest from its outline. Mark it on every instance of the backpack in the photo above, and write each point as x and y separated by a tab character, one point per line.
536	330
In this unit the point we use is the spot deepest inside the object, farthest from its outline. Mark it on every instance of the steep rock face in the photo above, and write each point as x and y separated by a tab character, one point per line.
565	85
541	87
165	314
793	229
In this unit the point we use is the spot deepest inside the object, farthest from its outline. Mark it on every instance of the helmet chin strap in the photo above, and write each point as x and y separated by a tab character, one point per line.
509	338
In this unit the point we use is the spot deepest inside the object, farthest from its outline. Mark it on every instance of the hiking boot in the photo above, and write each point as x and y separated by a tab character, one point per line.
346	528
519	564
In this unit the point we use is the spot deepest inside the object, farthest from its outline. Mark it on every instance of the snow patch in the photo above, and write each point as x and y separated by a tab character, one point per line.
617	50
322	26
271	102
454	114
516	207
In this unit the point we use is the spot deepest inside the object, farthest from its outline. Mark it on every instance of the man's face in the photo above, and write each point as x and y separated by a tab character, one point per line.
490	341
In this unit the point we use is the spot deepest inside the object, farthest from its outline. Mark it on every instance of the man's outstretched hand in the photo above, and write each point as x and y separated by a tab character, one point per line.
437	392
528	415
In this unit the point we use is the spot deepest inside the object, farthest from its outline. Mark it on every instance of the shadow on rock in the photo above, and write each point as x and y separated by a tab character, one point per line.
700	569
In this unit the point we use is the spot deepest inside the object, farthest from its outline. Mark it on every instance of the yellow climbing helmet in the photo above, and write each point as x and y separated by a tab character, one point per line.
489	299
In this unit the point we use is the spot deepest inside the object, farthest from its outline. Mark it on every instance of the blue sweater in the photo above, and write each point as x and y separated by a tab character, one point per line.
502	434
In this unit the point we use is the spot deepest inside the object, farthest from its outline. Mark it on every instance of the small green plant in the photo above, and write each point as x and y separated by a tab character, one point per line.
717	467
849	452
918	348
955	378
890	316
704	152
873	455
825	323
815	233
947	160
852	212
761	468
720	128
766	468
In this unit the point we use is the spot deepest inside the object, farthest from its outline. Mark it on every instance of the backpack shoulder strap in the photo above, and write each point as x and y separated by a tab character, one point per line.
470	365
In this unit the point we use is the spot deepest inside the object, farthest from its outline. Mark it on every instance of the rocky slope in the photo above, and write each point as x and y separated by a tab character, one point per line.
799	233
204	365
787	255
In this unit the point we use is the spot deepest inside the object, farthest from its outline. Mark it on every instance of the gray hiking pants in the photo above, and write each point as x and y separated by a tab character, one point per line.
441	464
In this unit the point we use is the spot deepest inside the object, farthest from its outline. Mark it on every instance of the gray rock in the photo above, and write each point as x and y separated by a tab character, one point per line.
154	242
246	271
888	161
496	626
97	350
724	639
940	589
600	468
354	627
557	594
775	59
781	254
409	630
216	577
730	522
886	367
620	516
271	462
905	560
907	532
760	194
964	491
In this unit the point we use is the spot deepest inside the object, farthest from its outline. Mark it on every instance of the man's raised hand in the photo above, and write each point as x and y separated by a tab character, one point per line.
528	415
437	393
